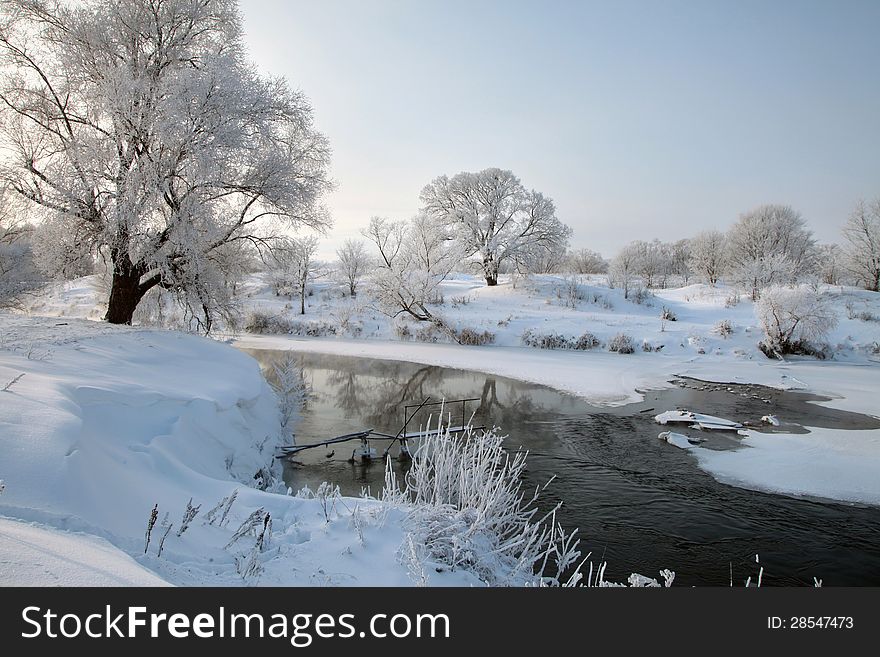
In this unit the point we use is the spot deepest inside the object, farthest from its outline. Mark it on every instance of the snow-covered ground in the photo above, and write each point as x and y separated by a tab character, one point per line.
98	430
35	555
98	424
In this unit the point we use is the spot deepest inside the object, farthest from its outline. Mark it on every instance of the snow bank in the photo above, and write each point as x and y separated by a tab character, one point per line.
602	378
107	422
33	555
839	465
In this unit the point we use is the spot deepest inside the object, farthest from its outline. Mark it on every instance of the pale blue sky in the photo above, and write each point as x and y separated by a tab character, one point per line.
640	119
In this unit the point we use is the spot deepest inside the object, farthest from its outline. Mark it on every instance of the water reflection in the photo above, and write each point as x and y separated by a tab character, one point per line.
638	502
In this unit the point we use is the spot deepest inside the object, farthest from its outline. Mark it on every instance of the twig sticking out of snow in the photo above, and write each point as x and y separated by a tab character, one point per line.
266	534
327	495
168	527
250	566
249	526
151	522
412	556
13	382
223	505
188	514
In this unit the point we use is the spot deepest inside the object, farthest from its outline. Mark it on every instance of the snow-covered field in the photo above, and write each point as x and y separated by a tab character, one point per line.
101	427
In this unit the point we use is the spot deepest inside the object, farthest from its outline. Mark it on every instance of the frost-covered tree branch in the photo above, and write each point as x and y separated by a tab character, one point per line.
770	245
414	258
862	235
494	217
141	130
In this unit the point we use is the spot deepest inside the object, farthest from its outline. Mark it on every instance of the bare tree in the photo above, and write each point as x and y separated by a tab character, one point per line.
541	261
831	263
18	273
414	258
354	262
292	266
708	255
585	261
142	127
768	245
862	234
625	267
493	217
680	260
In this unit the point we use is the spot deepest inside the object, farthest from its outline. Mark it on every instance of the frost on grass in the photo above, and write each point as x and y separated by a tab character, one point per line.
466	507
220	512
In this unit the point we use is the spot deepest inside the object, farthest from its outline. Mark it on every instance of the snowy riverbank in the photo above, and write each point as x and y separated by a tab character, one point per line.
100	423
105	422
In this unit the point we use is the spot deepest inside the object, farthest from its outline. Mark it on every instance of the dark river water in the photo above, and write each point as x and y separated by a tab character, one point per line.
639	503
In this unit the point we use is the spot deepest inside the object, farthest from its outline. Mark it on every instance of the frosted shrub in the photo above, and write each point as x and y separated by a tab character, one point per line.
794	320
667	315
188	515
622	344
641	296
544	340
466	507
723	327
262	322
557	341
571	293
474	337
427	333
585	340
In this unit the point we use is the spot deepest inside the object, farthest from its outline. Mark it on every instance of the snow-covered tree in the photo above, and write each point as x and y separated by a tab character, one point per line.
540	261
143	130
625	267
769	245
794	320
862	234
414	258
708	255
585	261
830	264
680	259
653	262
18	273
354	263
494	217
292	266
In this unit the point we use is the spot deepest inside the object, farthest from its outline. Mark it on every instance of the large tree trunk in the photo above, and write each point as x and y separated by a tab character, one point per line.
490	270
126	290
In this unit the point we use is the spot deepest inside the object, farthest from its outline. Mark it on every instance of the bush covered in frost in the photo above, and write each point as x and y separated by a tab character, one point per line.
622	344
474	337
557	341
794	320
263	322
